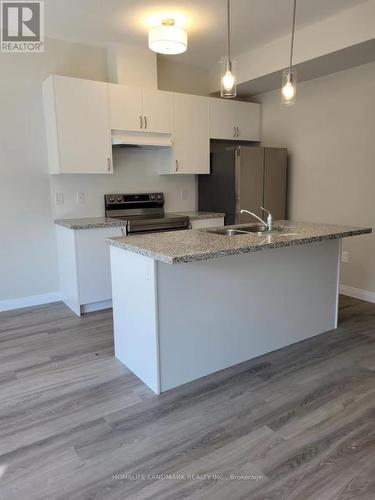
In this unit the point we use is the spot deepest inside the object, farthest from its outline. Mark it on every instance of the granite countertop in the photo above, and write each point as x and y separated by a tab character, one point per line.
90	223
196	215
196	245
100	222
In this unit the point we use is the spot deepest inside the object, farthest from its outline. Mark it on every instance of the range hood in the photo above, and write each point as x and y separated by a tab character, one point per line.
123	138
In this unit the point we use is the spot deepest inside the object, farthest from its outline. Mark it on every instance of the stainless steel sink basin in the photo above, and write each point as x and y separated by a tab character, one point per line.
254	228
238	231
227	232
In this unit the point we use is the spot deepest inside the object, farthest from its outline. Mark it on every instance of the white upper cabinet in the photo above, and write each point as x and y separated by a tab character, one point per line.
135	109
157	107
234	120
77	126
125	107
191	149
80	114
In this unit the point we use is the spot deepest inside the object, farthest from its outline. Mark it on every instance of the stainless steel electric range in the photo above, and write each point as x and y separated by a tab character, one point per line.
143	213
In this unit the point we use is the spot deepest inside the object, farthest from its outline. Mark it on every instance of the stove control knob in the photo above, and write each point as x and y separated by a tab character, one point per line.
119	199
159	196
152	197
111	200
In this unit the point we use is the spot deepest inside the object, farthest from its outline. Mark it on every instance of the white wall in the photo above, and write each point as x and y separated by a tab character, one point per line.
184	78
135	171
330	136
344	29
27	249
28	262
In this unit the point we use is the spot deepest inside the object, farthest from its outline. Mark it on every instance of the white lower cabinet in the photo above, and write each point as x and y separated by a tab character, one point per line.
84	267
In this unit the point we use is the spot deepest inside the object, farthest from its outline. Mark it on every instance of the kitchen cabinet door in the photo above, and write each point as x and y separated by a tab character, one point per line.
191	148
125	107
247	118
84	267
222	119
157	107
234	120
77	126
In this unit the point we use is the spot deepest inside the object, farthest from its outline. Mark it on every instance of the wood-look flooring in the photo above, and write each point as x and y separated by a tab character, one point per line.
298	423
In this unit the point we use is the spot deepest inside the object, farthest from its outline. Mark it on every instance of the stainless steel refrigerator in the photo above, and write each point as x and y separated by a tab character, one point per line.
245	177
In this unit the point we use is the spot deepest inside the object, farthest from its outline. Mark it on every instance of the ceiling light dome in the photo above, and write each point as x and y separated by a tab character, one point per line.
168	38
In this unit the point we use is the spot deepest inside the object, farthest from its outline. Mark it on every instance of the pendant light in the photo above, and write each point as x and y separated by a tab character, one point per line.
289	83
228	80
168	38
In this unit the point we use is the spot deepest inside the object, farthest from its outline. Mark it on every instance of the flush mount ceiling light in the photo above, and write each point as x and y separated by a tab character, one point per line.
289	83
168	38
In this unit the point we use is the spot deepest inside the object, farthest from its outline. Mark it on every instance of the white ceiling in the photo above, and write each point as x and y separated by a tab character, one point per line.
254	22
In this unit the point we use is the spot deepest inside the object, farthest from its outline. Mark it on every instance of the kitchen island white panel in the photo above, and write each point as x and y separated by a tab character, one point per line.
218	313
135	315
176	323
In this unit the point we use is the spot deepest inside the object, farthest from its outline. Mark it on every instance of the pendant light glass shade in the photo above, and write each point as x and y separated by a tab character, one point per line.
289	83
228	87
289	87
168	38
228	79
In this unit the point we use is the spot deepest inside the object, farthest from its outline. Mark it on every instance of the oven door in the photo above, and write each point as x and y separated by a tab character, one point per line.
157	226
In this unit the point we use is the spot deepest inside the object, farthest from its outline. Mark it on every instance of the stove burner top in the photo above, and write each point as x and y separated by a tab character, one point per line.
143	212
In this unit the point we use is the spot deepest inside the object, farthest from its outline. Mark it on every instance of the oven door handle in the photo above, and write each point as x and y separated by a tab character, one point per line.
154	228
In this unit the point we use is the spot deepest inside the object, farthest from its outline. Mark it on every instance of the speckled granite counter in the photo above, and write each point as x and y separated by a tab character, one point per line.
89	223
196	215
190	246
100	222
175	324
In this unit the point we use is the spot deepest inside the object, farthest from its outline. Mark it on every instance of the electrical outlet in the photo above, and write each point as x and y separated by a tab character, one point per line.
81	198
345	256
59	198
184	195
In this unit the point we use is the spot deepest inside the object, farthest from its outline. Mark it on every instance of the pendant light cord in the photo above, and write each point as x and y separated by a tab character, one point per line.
293	30
228	31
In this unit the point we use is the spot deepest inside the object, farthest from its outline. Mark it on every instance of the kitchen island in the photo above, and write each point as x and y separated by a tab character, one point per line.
187	304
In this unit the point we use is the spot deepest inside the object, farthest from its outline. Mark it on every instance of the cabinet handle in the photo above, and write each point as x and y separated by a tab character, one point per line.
145	122
140	121
109	164
176	165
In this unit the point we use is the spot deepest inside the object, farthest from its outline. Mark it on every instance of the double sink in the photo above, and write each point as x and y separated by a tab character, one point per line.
251	229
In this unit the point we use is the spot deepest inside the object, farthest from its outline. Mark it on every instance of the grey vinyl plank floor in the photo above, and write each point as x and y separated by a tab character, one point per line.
298	423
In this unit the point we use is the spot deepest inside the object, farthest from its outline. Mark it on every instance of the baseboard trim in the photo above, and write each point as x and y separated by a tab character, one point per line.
32	300
357	293
49	298
96	306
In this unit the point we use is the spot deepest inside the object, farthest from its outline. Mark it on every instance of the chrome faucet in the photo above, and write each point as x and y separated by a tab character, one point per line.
268	225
